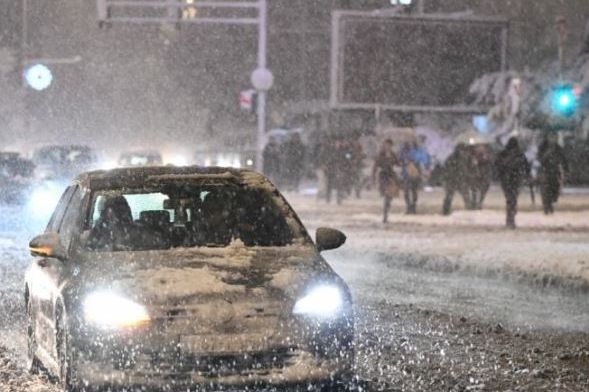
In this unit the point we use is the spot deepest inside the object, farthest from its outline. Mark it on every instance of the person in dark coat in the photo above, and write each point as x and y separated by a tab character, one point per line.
294	161
357	165
513	170
455	173
479	178
553	167
388	182
335	163
272	160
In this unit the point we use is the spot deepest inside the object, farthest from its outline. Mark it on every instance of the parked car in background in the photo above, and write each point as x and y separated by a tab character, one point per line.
232	158
140	158
16	177
56	167
63	162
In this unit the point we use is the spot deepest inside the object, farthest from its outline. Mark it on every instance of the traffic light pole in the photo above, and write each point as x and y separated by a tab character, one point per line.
262	80
561	25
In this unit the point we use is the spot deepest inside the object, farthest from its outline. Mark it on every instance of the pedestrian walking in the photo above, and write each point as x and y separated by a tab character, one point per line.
271	156
553	167
357	168
479	178
454	176
513	169
293	153
415	162
388	182
332	160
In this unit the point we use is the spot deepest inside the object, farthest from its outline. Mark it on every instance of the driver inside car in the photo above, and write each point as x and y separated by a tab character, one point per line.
213	223
113	229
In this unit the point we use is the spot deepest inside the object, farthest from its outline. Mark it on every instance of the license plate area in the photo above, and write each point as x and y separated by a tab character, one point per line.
226	344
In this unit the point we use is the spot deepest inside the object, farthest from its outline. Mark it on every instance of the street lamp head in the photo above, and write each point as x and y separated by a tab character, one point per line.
262	79
38	77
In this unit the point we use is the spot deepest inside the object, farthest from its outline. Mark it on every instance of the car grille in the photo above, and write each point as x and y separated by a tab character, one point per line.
224	365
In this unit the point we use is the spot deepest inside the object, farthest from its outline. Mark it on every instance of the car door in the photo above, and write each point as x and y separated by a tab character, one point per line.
40	281
58	272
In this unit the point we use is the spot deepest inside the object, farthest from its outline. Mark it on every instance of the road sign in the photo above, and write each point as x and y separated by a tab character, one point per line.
246	99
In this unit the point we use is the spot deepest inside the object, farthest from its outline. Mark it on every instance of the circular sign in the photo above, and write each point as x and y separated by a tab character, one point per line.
39	77
262	79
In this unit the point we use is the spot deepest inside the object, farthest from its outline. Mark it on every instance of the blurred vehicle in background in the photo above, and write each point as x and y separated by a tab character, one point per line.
140	158
236	159
56	166
63	162
16	176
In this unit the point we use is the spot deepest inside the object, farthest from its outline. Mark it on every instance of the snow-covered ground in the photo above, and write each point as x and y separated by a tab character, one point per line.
458	302
549	250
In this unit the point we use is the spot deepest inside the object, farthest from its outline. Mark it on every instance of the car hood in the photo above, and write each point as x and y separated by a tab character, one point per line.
189	274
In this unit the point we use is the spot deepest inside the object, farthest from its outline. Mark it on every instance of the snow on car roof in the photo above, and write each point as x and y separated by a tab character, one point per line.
139	176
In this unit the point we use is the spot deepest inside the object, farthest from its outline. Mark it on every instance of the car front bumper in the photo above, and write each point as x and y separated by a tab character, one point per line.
287	367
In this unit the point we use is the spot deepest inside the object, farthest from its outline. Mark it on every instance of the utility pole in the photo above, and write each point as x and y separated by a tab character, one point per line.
23	59
421	7
262	83
561	26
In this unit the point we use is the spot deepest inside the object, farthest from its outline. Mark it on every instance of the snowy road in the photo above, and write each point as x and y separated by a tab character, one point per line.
442	303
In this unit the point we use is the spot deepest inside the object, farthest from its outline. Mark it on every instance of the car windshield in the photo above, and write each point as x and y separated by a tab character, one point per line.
174	216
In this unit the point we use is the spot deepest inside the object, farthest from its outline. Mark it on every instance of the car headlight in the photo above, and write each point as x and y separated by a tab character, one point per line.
322	302
111	311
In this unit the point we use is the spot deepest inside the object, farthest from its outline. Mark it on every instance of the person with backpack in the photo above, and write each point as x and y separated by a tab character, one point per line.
388	183
415	161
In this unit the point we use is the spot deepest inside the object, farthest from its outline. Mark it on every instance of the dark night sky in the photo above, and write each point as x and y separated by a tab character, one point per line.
146	85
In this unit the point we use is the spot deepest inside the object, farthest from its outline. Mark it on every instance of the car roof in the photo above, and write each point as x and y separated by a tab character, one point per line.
140	176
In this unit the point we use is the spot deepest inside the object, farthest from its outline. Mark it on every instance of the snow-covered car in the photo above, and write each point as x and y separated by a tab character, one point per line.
140	158
16	175
167	277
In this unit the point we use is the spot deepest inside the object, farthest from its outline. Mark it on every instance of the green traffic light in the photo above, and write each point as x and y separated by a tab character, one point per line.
564	101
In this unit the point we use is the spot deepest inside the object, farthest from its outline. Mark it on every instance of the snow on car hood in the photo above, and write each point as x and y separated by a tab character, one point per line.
230	272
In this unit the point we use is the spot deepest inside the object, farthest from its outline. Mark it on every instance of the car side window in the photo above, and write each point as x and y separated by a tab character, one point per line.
57	217
71	219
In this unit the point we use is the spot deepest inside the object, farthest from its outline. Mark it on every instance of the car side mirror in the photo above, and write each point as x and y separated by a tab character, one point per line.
48	245
327	239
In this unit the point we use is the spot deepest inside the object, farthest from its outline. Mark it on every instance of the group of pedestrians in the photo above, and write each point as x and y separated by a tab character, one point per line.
513	171
469	172
415	165
341	161
285	164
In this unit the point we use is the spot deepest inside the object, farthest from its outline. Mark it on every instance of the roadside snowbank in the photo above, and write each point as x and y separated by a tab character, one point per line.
545	250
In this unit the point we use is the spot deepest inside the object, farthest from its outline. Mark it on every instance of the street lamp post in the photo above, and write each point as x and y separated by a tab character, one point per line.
261	78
